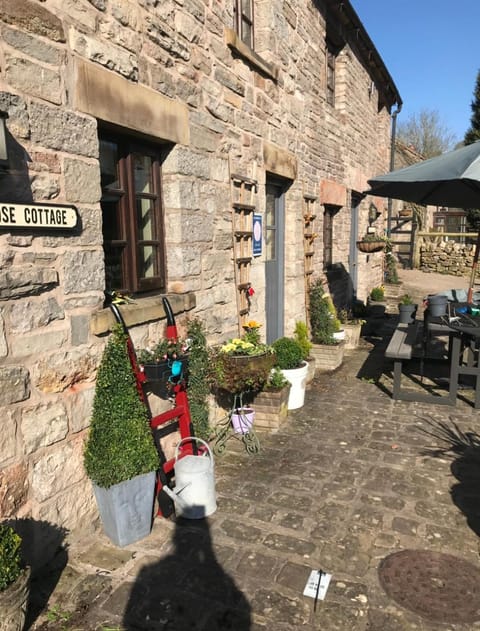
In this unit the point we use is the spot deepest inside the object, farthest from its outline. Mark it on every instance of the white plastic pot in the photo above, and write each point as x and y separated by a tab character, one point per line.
298	379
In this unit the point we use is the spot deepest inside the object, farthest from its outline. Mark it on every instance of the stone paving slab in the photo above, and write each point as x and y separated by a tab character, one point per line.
349	479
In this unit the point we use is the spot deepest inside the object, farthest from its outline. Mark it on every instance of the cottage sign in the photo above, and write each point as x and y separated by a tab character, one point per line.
38	216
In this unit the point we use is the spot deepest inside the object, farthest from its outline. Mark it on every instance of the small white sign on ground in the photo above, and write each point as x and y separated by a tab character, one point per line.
315	590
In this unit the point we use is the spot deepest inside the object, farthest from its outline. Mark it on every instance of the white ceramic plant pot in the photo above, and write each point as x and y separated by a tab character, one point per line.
298	380
339	335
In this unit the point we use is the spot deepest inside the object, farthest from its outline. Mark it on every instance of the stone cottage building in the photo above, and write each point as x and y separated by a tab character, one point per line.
212	151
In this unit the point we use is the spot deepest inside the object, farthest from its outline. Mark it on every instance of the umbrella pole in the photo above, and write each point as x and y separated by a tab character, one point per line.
474	270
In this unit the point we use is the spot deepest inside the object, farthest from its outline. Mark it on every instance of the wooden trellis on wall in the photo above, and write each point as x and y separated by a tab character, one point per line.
243	196
309	236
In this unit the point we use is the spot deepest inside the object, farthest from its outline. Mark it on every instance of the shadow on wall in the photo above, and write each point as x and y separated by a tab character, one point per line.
340	284
188	589
15	185
464	448
45	551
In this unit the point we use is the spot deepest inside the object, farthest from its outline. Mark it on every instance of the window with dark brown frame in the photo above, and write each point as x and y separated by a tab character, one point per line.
328	215
133	235
330	65
244	21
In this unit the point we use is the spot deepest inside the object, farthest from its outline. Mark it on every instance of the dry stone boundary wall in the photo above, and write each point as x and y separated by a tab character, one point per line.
447	257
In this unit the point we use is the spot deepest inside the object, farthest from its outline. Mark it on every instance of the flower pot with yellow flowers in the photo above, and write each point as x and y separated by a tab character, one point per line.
241	367
243	364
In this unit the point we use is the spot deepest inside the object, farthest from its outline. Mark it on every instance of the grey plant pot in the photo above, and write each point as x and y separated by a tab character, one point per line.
126	509
437	304
407	313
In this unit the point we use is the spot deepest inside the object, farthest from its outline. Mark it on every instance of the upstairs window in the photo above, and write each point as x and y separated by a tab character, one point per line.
244	21
132	217
331	55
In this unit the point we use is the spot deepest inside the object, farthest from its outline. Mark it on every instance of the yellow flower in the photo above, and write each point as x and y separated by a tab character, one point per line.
252	324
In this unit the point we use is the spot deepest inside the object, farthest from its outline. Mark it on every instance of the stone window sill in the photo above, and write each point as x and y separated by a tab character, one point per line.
235	43
142	311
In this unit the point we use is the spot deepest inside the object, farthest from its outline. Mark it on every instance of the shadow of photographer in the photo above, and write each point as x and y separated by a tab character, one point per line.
188	589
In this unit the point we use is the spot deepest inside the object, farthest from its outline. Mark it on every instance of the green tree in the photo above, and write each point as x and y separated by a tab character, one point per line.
473	219
473	132
426	133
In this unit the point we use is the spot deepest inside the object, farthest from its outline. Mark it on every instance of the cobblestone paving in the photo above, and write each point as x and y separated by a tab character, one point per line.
349	479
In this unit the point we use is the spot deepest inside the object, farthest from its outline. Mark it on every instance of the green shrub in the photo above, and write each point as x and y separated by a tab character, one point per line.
377	294
406	300
10	559
391	273
198	378
301	335
120	443
322	324
276	381
288	353
337	325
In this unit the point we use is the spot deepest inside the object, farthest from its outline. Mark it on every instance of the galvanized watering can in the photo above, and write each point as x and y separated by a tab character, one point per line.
194	492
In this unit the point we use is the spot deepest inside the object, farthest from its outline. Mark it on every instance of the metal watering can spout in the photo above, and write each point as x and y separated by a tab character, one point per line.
174	495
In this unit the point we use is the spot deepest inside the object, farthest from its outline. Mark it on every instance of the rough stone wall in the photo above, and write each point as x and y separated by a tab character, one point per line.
447	257
50	285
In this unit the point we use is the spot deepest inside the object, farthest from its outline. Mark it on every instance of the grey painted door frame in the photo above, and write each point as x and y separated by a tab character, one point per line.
353	251
274	257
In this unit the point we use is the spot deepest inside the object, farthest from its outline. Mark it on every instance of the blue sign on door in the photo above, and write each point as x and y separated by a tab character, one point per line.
257	235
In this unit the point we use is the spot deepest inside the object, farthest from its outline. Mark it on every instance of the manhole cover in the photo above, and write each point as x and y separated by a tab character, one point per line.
439	587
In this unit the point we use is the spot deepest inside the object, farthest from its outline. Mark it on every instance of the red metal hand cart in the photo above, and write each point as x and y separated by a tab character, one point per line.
178	418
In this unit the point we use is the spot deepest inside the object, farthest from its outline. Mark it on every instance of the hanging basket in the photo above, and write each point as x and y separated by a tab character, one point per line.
371	246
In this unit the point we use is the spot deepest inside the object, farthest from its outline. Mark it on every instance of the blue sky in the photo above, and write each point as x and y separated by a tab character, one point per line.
431	49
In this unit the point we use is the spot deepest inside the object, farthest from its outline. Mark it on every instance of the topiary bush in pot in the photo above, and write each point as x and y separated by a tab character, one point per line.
120	446
289	353
120	443
323	324
289	359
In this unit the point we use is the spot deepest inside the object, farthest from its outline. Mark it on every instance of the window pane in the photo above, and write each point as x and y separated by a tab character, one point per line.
113	267
112	229
146	261
145	225
247	34
109	164
142	166
327	239
247	9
